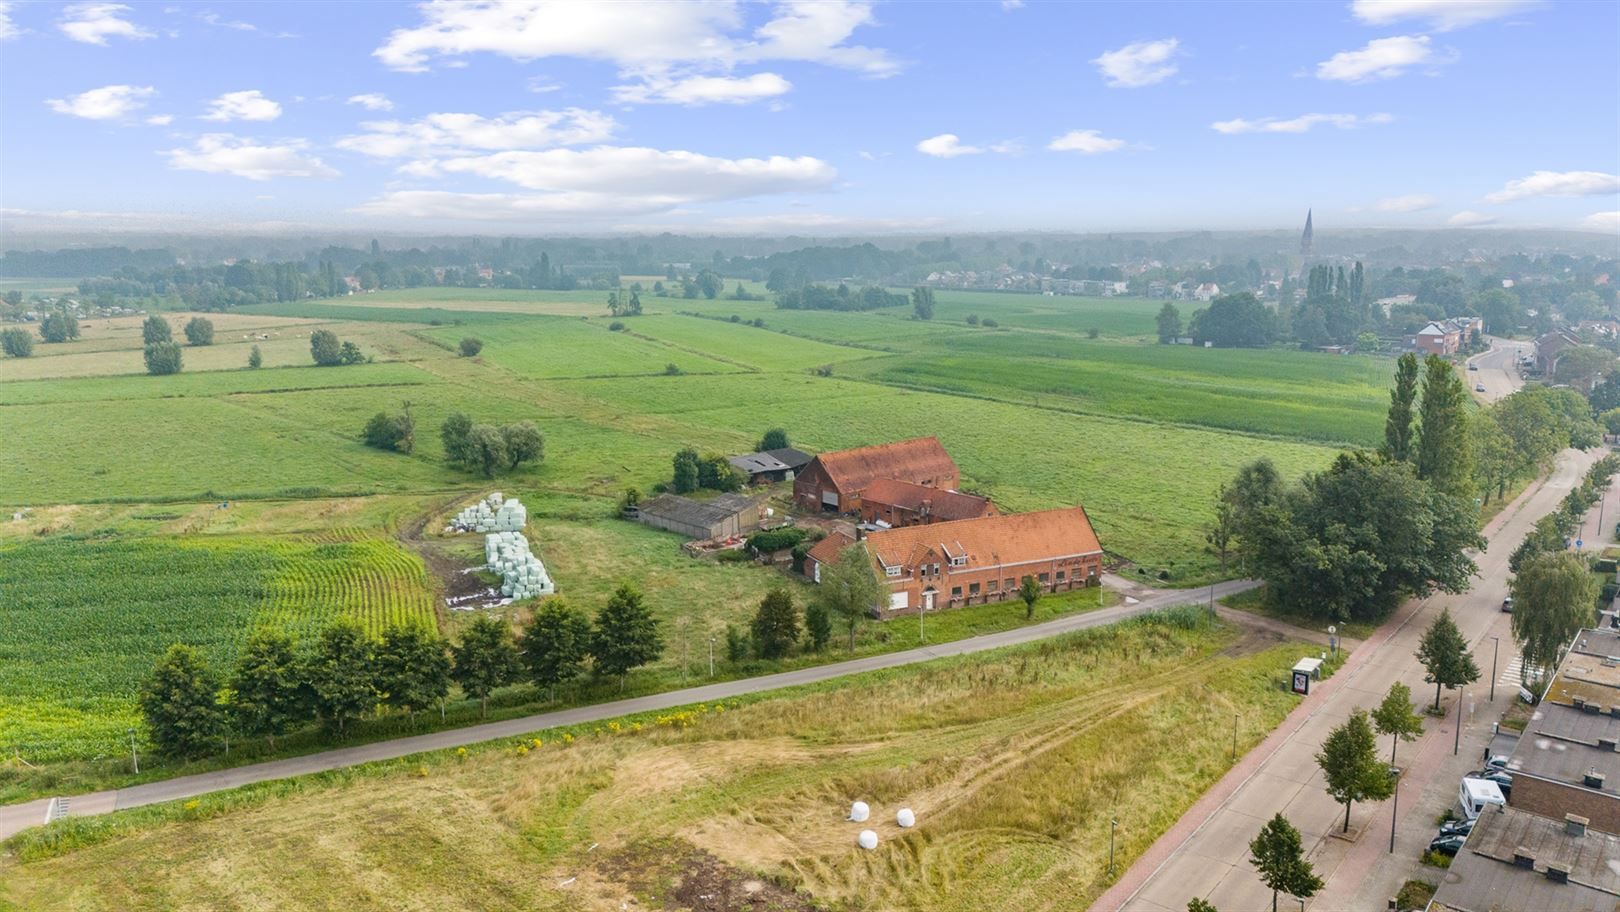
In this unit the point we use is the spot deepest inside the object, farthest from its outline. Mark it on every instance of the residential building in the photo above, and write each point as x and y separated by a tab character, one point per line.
1551	347
769	466
1435	338
825	553
974	561
896	503
1208	291
833	482
726	516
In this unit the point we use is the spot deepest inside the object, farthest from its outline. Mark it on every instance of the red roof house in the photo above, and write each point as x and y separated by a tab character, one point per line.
834	481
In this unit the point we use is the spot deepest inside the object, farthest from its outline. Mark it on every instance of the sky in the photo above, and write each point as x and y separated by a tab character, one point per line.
805	117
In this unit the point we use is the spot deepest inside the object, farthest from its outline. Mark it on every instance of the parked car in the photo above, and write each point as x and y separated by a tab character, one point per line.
1447	845
1456	828
1507	604
1472	366
1502	778
1479	387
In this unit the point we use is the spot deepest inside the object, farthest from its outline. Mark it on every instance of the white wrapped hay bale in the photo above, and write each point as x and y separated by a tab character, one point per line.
905	818
867	840
859	812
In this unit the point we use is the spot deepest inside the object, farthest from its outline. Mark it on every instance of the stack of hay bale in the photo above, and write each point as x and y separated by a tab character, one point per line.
494	513
522	574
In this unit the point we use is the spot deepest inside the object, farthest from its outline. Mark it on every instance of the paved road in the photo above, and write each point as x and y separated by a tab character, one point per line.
18	817
1498	370
1206	853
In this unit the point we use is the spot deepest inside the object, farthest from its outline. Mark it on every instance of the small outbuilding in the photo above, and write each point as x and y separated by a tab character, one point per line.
726	516
769	466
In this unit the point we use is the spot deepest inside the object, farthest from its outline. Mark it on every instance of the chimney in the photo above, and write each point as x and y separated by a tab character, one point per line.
1593	779
1524	858
1575	825
1557	872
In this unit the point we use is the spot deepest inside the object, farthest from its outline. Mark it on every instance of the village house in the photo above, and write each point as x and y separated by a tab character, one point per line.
726	516
1435	339
825	553
974	561
769	466
1208	291
833	482
896	503
1551	347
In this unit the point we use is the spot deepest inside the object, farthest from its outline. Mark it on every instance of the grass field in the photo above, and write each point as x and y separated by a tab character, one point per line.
1014	763
83	619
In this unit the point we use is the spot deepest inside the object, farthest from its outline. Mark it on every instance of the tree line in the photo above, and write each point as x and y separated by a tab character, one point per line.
277	686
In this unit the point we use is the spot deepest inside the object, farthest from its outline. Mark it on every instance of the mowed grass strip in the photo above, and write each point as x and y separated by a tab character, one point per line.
83	621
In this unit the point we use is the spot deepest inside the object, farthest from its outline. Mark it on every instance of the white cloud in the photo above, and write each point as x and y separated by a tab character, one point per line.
1300	124
463	134
817	223
1010	5
222	153
1602	221
1088	142
1468	219
1140	63
702	90
8	29
106	103
541	86
1382	58
1412	202
946	145
640	36
160	120
1442	15
94	23
372	101
1557	183
246	105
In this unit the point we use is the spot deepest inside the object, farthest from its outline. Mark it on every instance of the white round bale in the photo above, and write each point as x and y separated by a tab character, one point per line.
867	839
905	818
858	812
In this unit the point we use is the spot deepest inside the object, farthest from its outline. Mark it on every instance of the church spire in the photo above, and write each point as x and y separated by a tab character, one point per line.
1305	238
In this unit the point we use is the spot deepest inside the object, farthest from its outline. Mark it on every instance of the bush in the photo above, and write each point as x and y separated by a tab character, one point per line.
616	326
1093	333
255	358
1436	859
738	646
733	556
824	370
672	369
17	343
350	354
59	327
470	347
162	358
325	348
391	432
988	323
156	329
1414	895
776	539
200	331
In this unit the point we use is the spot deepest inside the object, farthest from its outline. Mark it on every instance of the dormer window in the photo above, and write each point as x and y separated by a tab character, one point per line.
959	560
892	571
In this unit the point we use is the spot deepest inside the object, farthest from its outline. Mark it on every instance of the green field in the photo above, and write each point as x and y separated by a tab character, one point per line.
83	619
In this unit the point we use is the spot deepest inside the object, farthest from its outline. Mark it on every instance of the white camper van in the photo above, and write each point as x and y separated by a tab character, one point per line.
1475	795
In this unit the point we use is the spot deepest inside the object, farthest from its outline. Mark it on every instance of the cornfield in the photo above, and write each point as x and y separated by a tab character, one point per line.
82	621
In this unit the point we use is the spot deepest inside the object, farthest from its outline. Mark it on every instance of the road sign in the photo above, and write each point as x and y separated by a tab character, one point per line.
1578	544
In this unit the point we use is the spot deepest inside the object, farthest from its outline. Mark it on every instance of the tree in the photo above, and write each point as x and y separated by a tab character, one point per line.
774	439
1350	764
391	432
485	660
1234	321
17	343
255	358
776	624
1395	717
413	669
716	473
470	346
817	625
523	443
850	588
59	326
555	643
1554	597
1367	342
686	471
1278	854
710	284
453	435
349	353
1443	457
922	303
267	691
200	331
486	449
325	348
1198	904
180	702
342	674
1398	430
1029	590
1221	532
1444	653
626	635
1583	365
156	329
162	358
1169	320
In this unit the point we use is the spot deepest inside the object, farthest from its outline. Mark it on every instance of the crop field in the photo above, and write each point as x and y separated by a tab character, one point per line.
550	347
83	620
743	345
1014	763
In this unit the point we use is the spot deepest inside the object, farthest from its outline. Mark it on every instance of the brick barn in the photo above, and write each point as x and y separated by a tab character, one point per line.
974	561
833	482
901	503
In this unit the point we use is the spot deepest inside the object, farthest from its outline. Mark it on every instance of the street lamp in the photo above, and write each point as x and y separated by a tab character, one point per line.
1234	736
134	758
1112	826
1395	813
1496	643
711	656
1456	739
1333	639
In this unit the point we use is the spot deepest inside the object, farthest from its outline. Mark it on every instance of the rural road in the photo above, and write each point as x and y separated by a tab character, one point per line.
17	817
1498	369
1206	853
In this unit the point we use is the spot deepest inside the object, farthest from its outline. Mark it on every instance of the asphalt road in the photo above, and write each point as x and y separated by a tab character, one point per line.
1497	370
17	817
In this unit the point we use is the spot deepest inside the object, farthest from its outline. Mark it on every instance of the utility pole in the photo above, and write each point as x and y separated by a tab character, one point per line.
711	656
1456	739
134	758
1234	736
1395	813
1496	643
1112	826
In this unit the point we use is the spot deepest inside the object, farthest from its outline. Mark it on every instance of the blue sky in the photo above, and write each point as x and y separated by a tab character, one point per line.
810	117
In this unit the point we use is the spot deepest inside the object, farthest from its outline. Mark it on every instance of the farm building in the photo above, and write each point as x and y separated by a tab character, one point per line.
974	561
833	482
824	553
723	517
901	503
768	466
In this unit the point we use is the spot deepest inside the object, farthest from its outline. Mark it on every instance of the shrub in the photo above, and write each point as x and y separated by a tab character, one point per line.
672	369
59	327
824	370
470	347
350	354
1093	333
733	556
1436	859
325	348
391	432
156	329
255	358
988	323
18	343
776	539
1414	895
737	644
162	358
973	319
200	331
616	326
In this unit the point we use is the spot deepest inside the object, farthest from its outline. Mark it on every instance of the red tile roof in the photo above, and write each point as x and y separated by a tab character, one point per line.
827	550
1011	538
917	460
945	505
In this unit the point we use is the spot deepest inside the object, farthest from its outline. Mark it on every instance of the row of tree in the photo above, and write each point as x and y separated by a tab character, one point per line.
488	448
821	297
276	687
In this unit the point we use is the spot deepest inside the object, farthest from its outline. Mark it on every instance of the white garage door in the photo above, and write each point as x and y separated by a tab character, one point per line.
899	601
